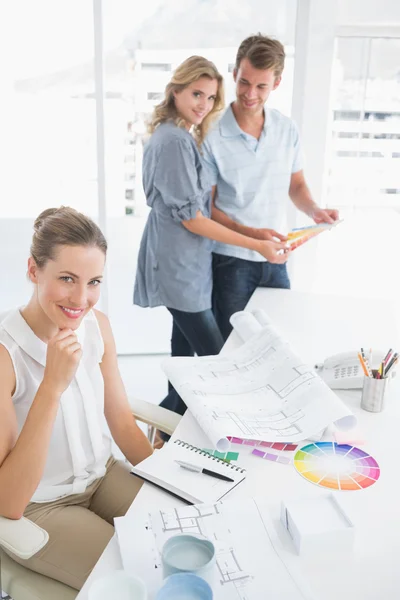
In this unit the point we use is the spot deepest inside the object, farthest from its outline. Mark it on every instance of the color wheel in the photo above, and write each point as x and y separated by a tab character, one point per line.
336	466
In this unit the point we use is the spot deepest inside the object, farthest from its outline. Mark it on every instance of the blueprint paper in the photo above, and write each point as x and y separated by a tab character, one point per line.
251	564
261	391
246	324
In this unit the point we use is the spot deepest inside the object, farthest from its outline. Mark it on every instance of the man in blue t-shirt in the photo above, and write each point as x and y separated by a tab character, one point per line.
254	158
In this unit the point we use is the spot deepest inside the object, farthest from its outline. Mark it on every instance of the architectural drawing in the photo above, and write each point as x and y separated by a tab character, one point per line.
262	390
204	521
250	562
263	425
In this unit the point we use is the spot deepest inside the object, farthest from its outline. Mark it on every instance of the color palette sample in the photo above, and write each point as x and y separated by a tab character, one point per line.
236	440
279	458
279	446
226	456
336	466
299	236
274	445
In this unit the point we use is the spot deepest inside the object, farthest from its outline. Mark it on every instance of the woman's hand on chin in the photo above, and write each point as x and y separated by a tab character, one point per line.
64	353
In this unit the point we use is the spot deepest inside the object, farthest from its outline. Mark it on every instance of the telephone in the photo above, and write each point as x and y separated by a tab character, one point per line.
343	371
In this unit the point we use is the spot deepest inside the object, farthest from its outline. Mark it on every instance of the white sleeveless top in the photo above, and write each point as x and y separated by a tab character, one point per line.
80	444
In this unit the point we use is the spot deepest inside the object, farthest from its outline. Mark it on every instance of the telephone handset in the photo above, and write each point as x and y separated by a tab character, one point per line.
343	371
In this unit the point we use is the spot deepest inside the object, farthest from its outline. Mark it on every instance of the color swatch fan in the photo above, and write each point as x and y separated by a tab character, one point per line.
336	466
299	236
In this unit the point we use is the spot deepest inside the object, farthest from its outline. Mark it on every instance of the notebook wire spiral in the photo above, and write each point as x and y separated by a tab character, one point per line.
197	450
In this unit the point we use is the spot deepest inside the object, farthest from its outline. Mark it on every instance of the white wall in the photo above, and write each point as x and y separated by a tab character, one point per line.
15	289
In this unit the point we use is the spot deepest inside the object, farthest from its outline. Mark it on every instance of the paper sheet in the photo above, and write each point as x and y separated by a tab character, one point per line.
261	390
250	562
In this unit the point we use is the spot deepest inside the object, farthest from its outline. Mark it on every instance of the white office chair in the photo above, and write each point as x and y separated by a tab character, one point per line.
24	538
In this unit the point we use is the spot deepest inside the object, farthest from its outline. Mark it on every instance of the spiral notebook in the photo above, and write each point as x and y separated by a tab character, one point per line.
195	488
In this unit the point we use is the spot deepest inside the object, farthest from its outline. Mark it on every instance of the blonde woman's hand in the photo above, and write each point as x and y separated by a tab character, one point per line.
64	353
274	252
270	235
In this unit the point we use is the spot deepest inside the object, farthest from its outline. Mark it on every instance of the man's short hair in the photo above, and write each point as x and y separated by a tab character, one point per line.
263	53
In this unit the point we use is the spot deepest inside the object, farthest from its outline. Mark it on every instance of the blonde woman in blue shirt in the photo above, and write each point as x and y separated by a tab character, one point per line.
175	258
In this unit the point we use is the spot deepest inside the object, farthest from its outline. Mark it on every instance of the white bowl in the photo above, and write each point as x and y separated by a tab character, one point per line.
119	585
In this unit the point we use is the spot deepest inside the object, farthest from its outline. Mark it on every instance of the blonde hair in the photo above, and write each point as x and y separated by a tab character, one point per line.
188	72
63	226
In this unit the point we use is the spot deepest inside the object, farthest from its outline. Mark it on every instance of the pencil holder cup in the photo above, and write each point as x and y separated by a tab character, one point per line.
189	554
374	393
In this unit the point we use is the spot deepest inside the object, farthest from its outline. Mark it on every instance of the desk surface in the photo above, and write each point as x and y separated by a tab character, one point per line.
319	326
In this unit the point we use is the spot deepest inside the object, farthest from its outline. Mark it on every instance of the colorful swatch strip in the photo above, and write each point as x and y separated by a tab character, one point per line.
274	445
279	458
299	236
226	456
336	466
296	239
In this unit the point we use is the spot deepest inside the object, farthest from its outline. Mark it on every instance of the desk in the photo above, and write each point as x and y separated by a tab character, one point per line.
318	326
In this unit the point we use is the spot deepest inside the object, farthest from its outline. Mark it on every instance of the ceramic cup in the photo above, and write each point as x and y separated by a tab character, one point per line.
185	586
189	554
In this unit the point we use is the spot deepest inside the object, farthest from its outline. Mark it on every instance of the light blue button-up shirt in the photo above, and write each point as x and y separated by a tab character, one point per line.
252	176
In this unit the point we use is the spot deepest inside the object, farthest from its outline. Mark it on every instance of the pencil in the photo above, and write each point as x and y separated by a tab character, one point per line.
391	367
364	368
386	359
382	370
366	363
391	362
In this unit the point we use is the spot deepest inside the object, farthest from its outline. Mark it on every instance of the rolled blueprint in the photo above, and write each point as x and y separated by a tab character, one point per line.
261	390
245	324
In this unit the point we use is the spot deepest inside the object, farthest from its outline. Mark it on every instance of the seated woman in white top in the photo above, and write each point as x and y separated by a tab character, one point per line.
60	388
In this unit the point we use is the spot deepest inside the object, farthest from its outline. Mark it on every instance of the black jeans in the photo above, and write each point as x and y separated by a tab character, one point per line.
234	282
192	333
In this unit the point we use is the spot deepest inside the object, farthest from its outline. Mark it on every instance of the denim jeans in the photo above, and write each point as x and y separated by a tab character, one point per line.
192	333
234	282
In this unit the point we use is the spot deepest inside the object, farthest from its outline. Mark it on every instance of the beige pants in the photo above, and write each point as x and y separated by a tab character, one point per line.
80	526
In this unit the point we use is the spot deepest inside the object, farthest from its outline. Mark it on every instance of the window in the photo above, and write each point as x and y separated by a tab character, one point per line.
48	124
158	96
365	126
361	255
156	67
140	60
